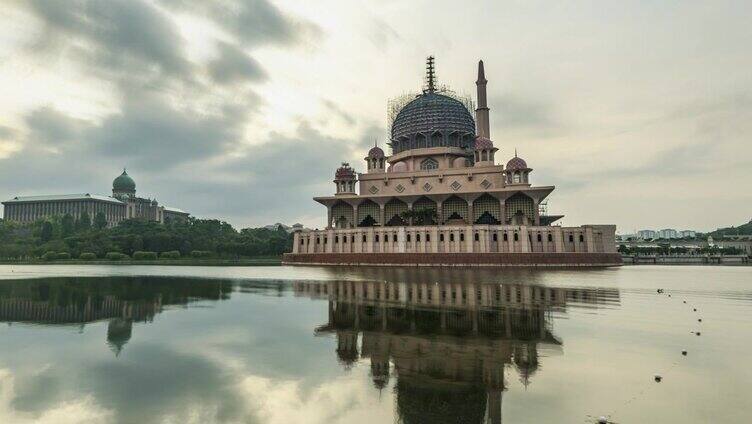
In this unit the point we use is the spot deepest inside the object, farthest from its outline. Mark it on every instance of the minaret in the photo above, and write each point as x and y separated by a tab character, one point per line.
481	113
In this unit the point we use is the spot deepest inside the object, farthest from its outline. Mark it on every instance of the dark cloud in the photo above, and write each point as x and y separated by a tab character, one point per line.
153	133
123	36
234	65
252	22
49	126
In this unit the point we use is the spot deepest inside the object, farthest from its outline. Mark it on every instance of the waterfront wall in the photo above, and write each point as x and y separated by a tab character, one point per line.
457	259
457	239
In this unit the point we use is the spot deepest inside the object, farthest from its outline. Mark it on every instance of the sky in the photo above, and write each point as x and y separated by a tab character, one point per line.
639	112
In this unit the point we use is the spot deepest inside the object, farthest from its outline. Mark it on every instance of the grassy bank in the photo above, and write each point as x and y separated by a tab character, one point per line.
263	261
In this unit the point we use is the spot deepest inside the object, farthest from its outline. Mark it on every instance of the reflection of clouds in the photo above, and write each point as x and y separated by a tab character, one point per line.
342	400
84	409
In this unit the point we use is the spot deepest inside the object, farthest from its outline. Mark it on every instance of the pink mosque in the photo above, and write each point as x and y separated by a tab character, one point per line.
440	198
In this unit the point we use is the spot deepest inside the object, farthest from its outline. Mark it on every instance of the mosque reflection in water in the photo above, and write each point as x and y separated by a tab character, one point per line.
446	348
449	343
119	300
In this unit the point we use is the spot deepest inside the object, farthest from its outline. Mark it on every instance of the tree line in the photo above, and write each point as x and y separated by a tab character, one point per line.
63	237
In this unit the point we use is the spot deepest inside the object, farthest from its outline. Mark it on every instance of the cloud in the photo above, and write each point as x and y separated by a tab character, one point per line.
252	22
122	36
153	133
49	126
234	65
347	118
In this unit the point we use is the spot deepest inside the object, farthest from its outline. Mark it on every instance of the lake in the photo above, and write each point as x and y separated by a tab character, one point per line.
159	344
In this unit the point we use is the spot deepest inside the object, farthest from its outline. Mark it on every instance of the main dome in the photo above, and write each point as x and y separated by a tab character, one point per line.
431	112
124	182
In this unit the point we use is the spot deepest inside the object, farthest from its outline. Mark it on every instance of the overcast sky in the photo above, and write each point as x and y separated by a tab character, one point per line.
640	113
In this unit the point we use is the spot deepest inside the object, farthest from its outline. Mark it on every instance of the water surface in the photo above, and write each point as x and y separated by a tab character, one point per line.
131	344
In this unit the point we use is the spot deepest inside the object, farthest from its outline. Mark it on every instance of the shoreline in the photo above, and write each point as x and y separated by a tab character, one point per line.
157	262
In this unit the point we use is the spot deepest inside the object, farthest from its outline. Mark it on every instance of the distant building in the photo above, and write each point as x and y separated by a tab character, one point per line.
122	205
743	243
646	234
287	228
687	234
667	234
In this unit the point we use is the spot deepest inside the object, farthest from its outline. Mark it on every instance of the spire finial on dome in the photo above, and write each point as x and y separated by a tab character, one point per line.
430	74
515	152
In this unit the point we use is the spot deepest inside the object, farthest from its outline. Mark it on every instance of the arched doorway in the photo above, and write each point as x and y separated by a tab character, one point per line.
368	214
454	211
486	210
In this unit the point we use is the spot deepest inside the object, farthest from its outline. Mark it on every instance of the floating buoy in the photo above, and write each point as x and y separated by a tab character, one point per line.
684	352
685	301
699	320
602	420
695	309
658	378
697	333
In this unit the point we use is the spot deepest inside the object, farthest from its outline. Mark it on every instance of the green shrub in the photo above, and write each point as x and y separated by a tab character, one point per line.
200	253
115	256
172	254
87	256
63	255
141	255
49	256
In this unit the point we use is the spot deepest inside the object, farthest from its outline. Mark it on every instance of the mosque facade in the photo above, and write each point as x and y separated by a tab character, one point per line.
441	198
121	205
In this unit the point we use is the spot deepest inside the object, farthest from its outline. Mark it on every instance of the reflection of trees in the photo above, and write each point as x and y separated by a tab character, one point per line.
120	300
448	344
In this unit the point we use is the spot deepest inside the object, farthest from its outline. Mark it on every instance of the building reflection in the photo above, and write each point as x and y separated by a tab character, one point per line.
121	301
447	345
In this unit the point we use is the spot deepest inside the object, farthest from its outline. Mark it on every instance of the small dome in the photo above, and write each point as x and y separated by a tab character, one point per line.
124	182
482	143
399	167
516	164
459	163
345	172
376	152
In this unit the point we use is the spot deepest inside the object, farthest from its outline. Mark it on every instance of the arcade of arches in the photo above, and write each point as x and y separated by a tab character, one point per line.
519	209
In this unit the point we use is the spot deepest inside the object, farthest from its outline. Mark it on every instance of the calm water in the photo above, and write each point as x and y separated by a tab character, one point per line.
316	345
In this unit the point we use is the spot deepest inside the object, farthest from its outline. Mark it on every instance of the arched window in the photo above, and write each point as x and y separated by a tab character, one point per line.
550	237
477	237
516	237
428	237
495	237
408	238
429	164
417	237
462	236
582	238
516	178
451	236
506	237
540	238
441	237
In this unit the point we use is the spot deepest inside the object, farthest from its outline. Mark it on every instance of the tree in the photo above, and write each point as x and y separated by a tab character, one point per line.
84	222
46	234
67	225
100	221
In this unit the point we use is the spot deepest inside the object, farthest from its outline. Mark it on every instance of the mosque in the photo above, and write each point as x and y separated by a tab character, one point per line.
441	198
122	205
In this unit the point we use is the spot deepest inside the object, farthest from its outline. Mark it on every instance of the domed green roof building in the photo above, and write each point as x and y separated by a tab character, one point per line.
123	184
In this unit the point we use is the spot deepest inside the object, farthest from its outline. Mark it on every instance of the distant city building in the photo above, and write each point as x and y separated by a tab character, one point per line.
441	198
287	228
743	243
122	205
667	234
646	234
687	234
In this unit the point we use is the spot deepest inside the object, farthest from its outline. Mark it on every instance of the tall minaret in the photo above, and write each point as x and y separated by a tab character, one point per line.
481	113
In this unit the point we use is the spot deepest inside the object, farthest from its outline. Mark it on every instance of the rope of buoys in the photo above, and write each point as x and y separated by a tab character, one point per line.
606	419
